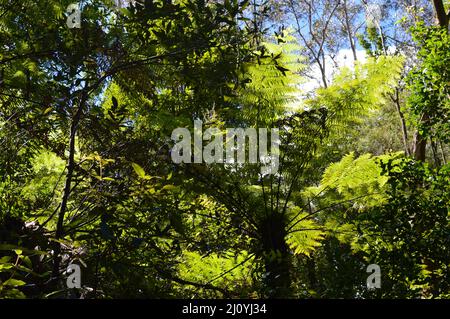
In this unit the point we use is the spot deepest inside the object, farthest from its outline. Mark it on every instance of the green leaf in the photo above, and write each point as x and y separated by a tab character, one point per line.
5	259
139	170
14	282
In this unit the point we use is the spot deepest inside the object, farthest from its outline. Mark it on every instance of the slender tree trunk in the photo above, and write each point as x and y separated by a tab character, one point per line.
396	100
349	32
437	160
67	188
323	72
444	159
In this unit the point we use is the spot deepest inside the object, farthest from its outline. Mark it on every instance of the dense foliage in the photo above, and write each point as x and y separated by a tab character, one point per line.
87	178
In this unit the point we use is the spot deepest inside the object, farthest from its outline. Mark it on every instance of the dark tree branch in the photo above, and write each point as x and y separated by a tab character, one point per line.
68	185
441	15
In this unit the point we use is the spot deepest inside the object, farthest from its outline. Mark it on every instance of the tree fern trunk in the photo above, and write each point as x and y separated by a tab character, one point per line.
277	258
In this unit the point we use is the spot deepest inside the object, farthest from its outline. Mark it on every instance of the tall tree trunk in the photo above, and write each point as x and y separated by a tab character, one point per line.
437	160
396	99
67	188
420	142
277	257
349	31
442	16
322	66
444	159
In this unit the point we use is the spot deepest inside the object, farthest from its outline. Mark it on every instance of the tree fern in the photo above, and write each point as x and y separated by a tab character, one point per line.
305	235
273	82
355	92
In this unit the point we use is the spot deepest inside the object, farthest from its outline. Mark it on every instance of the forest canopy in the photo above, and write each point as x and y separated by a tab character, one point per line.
338	185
